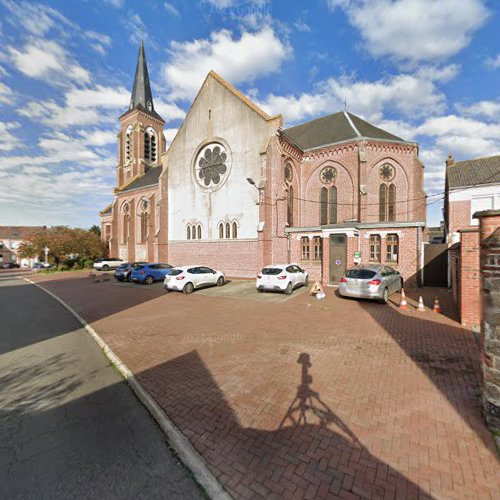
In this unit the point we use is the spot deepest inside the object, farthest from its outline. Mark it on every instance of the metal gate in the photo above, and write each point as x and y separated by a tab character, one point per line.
436	264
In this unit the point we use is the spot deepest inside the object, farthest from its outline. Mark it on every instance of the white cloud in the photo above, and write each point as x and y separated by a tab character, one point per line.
171	9
168	111
486	109
169	134
99	96
6	94
407	94
493	62
98	137
251	56
47	61
414	30
8	140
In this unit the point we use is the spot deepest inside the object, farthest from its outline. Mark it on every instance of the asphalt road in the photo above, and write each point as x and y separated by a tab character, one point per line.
69	426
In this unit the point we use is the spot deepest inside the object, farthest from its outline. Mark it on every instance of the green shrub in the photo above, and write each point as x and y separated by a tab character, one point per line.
63	267
87	264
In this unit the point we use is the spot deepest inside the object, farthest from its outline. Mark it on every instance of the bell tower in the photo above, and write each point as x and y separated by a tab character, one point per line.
141	140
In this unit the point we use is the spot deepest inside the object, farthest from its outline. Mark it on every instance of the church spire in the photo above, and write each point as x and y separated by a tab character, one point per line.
141	91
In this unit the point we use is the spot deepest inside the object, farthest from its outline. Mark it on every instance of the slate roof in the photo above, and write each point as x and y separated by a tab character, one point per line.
338	127
19	232
474	172
107	210
142	97
150	178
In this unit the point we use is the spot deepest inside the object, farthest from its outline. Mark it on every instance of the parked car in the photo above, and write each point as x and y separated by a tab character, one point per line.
149	273
282	277
10	265
41	265
107	264
375	282
187	278
124	271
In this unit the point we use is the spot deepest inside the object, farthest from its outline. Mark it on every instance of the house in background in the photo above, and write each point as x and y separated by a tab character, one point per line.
471	186
11	238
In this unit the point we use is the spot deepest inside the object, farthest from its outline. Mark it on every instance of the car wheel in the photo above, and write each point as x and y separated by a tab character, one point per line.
289	289
306	281
105	267
166	288
385	296
220	281
188	288
149	280
260	290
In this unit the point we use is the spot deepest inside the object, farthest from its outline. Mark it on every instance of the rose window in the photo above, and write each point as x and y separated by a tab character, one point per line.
387	172
211	165
328	175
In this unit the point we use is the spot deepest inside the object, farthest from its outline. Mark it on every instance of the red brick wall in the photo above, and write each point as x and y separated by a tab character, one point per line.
459	215
470	294
238	258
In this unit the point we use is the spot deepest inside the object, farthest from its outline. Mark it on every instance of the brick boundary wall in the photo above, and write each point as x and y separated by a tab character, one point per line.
470	279
490	273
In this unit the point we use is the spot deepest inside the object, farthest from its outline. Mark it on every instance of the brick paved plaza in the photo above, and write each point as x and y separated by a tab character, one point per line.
305	398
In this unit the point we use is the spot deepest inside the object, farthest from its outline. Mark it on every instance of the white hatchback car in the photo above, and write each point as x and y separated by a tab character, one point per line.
107	264
282	277
187	278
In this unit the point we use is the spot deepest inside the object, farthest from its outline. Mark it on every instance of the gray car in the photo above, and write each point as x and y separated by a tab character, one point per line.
375	282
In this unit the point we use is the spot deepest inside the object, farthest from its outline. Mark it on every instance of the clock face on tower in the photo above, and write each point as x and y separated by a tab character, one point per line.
211	166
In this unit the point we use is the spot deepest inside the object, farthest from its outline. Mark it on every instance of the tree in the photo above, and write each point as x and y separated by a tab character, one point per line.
96	229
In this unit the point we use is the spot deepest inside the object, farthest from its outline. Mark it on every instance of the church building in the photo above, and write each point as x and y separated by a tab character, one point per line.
236	191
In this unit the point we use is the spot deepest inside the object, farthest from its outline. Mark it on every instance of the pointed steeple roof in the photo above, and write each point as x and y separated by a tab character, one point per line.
142	97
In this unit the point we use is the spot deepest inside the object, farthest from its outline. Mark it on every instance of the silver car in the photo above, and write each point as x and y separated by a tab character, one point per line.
376	282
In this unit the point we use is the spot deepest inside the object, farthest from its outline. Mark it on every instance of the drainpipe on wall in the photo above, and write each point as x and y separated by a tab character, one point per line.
289	248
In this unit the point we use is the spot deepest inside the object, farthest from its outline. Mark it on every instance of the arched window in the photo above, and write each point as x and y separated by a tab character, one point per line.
228	230
289	206
382	201
391	205
188	232
144	227
150	145
199	231
125	228
375	248
221	231
323	200
193	232
235	230
317	248
128	144
333	205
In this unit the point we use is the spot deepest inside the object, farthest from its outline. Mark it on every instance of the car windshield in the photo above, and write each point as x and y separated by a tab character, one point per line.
176	272
140	267
271	271
360	274
122	266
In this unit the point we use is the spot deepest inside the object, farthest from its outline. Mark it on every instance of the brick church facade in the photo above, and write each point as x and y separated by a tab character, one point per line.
235	191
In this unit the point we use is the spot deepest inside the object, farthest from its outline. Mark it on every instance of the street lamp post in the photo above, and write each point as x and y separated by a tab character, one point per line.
46	251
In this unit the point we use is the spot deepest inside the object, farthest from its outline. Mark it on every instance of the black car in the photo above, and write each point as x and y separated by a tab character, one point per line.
124	271
10	265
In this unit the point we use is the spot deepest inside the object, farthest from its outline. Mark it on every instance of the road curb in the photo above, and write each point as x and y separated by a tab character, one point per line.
179	442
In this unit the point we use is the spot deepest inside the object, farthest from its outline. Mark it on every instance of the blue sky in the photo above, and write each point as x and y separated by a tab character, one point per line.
426	70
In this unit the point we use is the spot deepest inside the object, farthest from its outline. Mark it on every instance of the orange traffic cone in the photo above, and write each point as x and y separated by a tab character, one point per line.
402	303
421	307
437	307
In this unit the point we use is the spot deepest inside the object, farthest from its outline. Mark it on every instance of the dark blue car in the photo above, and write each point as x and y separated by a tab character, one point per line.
149	273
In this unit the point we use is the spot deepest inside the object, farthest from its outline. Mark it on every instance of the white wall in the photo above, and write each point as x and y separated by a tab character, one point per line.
481	198
245	134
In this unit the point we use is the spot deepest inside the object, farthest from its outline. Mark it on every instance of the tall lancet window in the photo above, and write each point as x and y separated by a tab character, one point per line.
150	145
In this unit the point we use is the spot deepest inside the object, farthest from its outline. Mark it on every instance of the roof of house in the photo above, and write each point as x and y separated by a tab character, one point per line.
107	210
150	178
338	127
474	172
19	232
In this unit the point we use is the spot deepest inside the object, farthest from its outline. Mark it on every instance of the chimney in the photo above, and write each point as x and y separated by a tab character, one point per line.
450	161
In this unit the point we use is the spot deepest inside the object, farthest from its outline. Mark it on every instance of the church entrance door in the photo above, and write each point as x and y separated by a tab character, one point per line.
338	257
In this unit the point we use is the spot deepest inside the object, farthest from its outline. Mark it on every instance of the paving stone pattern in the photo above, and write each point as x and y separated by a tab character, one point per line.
305	398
